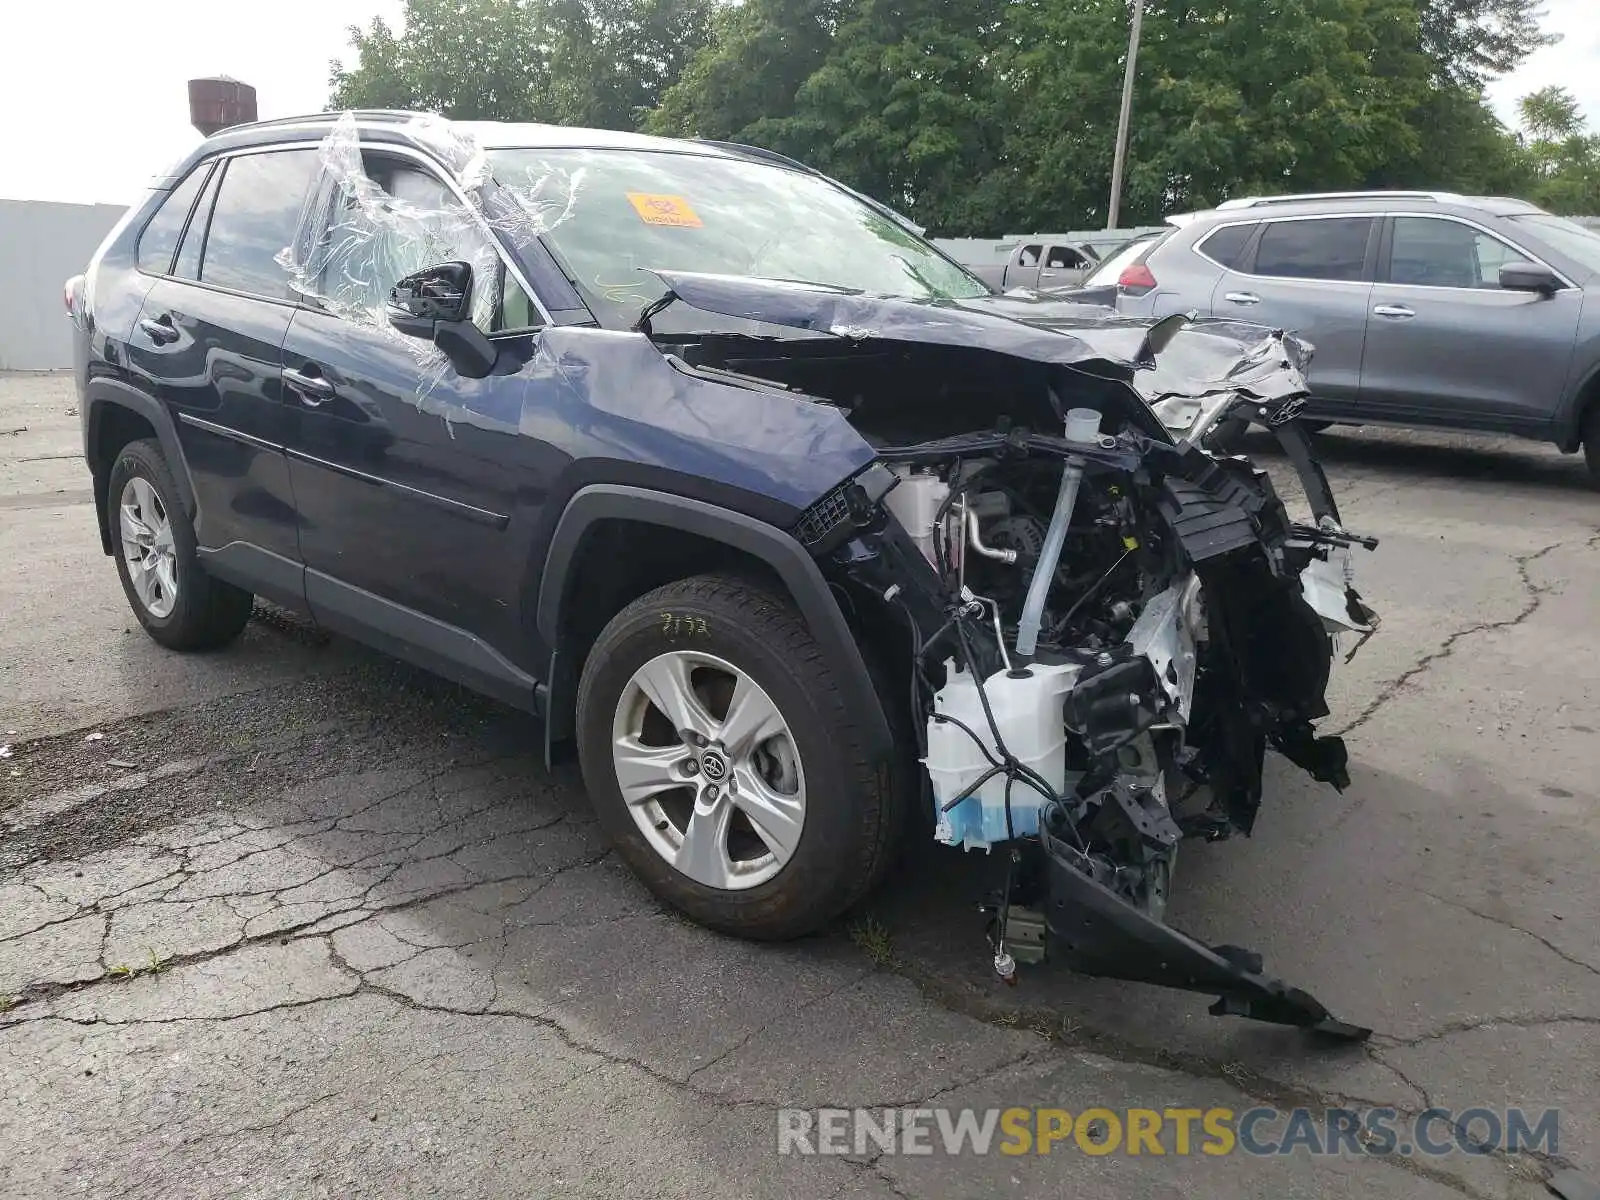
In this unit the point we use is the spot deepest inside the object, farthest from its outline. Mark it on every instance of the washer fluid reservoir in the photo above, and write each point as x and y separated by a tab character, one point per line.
1029	712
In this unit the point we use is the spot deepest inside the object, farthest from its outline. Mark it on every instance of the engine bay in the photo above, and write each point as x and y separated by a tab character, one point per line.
1102	620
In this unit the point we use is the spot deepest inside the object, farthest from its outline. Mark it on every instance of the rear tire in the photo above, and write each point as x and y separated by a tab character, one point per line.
153	540
723	632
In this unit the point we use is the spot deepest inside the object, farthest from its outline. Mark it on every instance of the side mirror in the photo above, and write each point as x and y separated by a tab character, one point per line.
1528	277
435	304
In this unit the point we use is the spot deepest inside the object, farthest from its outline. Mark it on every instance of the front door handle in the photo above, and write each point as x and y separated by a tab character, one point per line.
160	331
1241	297
312	389
1393	310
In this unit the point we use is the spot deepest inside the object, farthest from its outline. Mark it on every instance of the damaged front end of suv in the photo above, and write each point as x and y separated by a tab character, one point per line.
1107	623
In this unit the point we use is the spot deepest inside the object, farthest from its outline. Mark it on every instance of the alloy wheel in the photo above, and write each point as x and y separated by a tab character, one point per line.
147	547
709	770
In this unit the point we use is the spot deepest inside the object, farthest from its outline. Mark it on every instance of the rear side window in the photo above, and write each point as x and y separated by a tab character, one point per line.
1326	248
255	216
194	238
159	241
1064	257
1226	245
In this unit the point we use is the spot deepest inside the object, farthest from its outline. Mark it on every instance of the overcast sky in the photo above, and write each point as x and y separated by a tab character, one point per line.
94	97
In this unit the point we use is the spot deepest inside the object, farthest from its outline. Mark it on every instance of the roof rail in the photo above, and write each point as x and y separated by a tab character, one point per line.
760	152
396	115
1315	197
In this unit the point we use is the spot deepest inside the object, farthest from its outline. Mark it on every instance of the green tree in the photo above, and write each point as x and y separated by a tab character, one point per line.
1563	155
469	59
1232	96
743	85
583	62
612	60
1471	42
907	108
1551	114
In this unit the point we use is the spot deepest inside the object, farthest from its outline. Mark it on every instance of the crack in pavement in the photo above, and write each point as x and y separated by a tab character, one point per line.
1536	595
1511	1021
1515	928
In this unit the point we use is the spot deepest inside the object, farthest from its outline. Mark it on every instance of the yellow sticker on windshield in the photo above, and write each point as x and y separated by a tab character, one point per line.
664	210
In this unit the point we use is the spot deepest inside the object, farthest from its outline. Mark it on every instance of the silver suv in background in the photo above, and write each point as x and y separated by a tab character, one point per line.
1425	308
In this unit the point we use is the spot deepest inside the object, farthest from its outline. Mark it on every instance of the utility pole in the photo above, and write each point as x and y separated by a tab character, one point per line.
1120	154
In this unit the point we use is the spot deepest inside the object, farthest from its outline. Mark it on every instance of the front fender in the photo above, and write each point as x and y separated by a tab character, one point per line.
795	568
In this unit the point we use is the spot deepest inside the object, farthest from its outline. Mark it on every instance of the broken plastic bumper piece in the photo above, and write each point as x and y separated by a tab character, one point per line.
1096	932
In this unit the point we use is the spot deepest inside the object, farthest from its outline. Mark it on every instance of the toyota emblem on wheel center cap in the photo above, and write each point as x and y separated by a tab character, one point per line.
713	766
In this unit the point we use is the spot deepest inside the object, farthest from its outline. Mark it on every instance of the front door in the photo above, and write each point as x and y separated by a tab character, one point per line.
1446	344
405	473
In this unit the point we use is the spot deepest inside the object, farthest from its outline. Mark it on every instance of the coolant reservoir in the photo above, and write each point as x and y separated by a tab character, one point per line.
1029	712
915	503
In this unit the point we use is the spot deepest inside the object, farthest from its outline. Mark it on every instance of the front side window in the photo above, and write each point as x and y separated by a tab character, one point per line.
1429	252
397	218
613	216
159	241
1029	256
1324	248
254	217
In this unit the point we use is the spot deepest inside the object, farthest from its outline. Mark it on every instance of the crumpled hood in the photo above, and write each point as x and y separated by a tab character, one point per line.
1159	358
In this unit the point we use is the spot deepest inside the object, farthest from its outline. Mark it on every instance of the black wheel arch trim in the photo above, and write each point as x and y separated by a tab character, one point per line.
101	394
1585	399
795	568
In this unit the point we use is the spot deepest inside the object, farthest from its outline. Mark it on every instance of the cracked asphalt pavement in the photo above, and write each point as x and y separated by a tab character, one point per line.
295	920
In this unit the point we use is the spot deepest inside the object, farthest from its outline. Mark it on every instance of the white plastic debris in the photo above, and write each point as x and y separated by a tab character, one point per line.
96	736
5	751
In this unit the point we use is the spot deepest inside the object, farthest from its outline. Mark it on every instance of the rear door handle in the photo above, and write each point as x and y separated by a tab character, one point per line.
1393	310
312	389
1241	297
159	330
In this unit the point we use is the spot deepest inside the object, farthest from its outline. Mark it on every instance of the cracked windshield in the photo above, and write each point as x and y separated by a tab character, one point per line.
613	216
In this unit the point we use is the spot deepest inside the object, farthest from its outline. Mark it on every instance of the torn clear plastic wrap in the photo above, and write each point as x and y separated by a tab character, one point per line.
357	236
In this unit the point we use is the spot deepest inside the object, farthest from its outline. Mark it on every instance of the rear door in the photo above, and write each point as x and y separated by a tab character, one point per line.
1446	344
209	344
1311	275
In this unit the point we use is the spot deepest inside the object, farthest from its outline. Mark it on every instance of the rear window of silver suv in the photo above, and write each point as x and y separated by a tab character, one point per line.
1225	245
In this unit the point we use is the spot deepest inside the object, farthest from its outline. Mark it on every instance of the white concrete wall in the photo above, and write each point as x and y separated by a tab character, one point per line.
42	245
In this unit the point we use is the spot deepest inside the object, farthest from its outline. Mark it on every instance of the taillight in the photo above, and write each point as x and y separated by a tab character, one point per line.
1136	279
69	292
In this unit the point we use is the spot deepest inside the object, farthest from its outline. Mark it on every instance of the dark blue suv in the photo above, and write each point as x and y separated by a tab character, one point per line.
801	533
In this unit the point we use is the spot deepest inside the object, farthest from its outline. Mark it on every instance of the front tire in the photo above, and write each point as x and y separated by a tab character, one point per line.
178	604
1591	444
724	764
